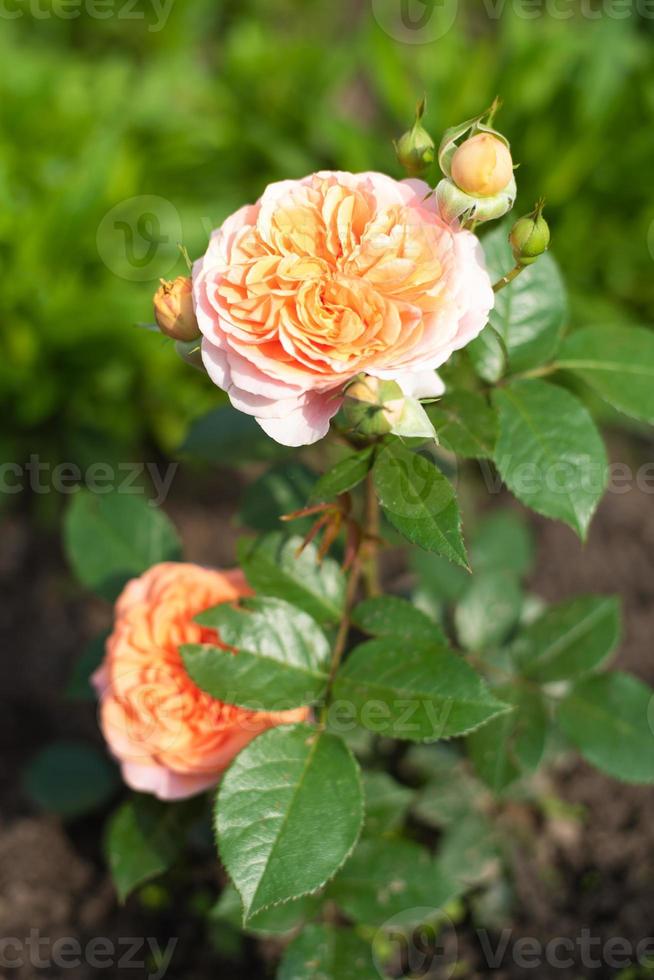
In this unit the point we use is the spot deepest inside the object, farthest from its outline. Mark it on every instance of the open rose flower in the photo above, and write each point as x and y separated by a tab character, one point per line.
327	277
171	738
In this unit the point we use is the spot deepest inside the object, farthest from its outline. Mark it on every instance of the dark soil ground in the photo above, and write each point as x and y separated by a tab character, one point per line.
576	877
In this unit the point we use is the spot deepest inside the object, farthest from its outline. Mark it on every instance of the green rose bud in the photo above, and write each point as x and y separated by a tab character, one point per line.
416	149
372	407
530	236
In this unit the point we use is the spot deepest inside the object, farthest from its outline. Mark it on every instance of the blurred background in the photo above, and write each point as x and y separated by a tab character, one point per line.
127	126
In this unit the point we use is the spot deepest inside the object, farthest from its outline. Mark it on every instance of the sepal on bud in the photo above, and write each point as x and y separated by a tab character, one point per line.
190	352
173	309
416	150
530	236
479	183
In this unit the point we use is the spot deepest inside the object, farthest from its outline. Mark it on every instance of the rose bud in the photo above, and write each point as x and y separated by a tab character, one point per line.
372	407
530	236
416	149
482	166
173	309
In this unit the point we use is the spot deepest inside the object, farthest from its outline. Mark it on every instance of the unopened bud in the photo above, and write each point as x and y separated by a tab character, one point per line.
530	236
416	149
173	309
482	166
372	407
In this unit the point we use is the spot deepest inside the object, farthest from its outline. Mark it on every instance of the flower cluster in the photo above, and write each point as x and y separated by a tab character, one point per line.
336	289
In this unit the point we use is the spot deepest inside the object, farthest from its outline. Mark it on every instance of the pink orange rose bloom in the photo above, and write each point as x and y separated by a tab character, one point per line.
329	276
171	738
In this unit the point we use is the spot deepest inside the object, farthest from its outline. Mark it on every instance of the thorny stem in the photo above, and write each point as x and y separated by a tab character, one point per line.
343	630
371	539
508	278
363	565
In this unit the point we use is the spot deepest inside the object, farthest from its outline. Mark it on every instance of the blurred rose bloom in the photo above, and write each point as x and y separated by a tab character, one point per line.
171	738
327	277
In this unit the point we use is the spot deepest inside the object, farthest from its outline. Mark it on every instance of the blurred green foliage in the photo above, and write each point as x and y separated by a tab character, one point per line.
230	94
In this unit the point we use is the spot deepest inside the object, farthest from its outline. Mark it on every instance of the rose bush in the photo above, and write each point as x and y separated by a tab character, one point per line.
327	277
337	822
171	738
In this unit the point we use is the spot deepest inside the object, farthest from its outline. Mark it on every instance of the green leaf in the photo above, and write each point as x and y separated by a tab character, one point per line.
502	542
227	437
288	814
70	778
323	952
345	475
510	746
392	616
530	313
79	684
610	719
419	501
489	610
282	660
440	579
450	791
110	538
618	362
276	921
465	423
488	355
283	489
468	852
273	567
418	691
568	640
386	802
549	453
385	878
144	838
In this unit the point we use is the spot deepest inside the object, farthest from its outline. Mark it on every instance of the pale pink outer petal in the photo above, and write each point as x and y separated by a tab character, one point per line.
307	424
164	783
218	366
421	384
